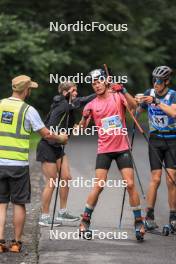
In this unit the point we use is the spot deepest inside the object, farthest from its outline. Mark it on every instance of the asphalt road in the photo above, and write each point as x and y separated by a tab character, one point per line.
60	249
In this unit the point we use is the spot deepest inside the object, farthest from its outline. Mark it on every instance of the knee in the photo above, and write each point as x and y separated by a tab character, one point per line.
156	179
66	177
169	181
130	185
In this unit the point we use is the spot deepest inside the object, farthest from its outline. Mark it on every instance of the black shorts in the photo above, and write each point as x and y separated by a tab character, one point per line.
15	184
165	149
123	160
48	153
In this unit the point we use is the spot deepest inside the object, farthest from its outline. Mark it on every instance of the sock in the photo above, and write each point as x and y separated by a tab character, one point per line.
172	215
137	213
62	211
88	210
45	215
150	213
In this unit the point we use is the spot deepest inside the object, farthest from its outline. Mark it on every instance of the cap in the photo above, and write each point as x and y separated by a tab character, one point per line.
22	82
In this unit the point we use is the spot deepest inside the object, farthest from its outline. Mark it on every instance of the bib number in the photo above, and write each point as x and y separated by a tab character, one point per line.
160	121
111	123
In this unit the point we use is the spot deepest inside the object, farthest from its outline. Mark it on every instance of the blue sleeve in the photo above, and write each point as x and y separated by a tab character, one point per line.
144	105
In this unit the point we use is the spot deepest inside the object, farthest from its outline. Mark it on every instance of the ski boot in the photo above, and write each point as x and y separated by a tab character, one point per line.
166	230
84	231
173	226
139	228
150	224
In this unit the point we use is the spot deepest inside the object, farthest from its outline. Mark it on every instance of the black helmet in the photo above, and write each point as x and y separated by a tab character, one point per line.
162	72
97	74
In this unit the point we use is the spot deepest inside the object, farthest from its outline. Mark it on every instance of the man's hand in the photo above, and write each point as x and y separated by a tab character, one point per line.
62	139
116	87
148	99
86	113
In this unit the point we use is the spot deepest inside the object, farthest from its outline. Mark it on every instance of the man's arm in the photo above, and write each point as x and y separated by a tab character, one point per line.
82	101
168	109
129	99
46	134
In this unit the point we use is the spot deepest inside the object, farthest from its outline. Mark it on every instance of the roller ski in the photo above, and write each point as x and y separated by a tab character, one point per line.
150	224
173	227
169	229
172	222
84	231
139	229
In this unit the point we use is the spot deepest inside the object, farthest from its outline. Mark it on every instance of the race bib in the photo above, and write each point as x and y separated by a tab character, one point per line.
7	117
160	121
111	122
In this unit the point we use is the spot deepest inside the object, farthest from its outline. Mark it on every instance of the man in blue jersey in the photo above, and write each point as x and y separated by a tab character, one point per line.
160	103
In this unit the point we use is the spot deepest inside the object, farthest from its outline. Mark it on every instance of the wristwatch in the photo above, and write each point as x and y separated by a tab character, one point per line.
124	90
156	101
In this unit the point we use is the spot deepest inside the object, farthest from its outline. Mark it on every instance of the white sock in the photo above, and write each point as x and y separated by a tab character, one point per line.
45	215
63	210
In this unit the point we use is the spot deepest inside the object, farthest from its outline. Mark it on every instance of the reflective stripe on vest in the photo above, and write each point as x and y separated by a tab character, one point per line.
14	139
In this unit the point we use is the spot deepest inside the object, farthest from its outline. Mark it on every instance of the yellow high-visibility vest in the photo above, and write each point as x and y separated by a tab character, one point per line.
14	139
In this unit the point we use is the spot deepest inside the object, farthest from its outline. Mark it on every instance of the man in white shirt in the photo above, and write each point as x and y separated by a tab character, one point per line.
17	121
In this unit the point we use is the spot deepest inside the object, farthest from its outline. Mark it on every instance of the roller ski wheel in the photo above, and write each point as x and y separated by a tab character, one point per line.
84	231
139	229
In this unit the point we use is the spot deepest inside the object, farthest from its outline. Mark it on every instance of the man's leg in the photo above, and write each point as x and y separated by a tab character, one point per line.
3	213
63	214
19	215
101	175
153	187
128	175
4	201
172	195
151	198
156	152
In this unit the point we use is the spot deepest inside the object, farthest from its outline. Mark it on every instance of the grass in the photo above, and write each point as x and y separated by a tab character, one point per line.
34	139
143	119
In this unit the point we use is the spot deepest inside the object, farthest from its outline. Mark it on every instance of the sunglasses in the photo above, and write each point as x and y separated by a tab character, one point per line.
158	80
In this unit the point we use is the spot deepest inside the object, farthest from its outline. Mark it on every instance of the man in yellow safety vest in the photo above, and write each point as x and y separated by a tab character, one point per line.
17	121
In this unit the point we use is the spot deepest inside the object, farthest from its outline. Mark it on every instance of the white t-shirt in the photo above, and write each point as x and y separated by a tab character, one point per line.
32	121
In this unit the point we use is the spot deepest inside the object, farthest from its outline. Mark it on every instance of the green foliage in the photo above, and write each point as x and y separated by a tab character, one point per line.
27	46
